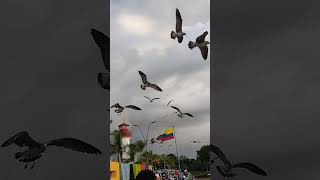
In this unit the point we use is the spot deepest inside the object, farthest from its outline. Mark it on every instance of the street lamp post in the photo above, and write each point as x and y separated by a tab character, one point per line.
140	131
148	134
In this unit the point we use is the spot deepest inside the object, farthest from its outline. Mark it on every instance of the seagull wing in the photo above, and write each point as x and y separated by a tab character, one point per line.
204	52
178	21
219	169
133	107
103	42
104	80
169	102
155	99
143	77
176	109
188	114
156	87
147	98
253	168
117	105
21	139
201	38
74	144
220	154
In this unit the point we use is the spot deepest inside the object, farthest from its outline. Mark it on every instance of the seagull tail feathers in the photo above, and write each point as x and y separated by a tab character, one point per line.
173	35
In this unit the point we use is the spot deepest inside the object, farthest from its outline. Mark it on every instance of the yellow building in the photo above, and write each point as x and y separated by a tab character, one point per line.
114	170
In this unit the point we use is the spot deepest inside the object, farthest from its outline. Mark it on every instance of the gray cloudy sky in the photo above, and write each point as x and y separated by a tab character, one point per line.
266	80
140	40
48	80
267	86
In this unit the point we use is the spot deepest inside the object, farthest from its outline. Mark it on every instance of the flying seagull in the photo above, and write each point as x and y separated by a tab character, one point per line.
146	83
202	44
120	108
178	34
227	170
103	42
36	149
196	141
170	102
181	114
151	100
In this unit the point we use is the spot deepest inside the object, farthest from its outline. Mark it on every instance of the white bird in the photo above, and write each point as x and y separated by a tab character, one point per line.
201	44
120	108
146	83
181	114
178	34
151	100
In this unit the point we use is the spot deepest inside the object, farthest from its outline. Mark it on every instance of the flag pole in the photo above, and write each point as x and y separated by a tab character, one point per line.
175	141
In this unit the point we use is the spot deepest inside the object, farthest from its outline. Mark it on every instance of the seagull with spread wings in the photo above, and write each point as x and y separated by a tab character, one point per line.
103	42
202	44
170	102
196	141
35	149
181	114
151	100
120	108
146	83
178	34
226	171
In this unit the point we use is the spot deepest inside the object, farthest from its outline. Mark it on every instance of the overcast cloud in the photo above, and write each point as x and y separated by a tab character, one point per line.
140	40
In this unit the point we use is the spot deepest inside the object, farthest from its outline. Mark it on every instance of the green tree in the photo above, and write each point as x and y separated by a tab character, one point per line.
164	160
156	160
136	148
172	160
185	162
149	158
203	155
116	144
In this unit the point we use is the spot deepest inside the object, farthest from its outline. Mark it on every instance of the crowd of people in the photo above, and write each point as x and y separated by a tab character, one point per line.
165	175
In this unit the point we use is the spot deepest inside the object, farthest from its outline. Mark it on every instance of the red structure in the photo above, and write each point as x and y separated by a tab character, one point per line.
124	131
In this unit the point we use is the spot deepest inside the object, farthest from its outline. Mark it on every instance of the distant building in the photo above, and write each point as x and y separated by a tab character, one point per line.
125	140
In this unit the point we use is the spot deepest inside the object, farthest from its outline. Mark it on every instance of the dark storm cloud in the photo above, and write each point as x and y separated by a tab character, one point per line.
266	85
48	67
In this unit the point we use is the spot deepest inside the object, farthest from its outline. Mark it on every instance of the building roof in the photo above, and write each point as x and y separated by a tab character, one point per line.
123	124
